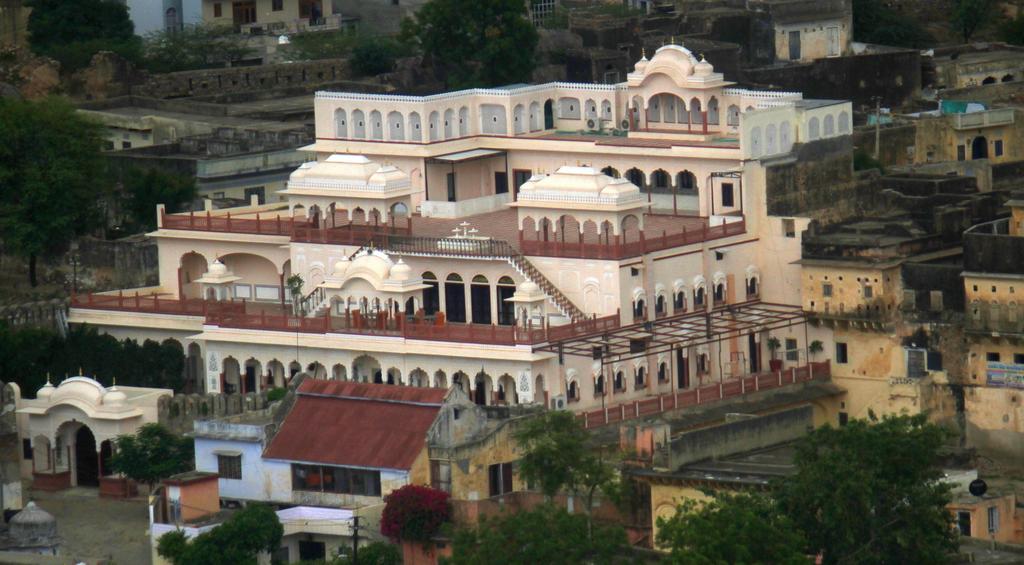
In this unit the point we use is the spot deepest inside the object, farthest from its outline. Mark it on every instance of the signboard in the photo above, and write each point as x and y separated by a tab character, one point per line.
1005	375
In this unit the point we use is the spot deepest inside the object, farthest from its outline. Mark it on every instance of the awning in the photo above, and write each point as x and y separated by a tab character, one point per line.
463	156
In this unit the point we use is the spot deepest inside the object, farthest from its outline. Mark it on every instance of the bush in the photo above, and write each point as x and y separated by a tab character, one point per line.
862	162
374	56
275	394
414	513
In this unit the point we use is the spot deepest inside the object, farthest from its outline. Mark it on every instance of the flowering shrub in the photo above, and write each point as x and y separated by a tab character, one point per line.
414	513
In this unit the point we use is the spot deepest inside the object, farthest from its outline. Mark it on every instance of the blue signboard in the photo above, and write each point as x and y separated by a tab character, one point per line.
1006	375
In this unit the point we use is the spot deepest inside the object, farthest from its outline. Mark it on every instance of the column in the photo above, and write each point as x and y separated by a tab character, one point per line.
492	294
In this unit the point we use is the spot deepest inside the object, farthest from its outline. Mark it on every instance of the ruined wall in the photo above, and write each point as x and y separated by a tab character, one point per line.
178	412
130	262
898	142
895	76
40	314
819	183
1008	176
995	422
243	79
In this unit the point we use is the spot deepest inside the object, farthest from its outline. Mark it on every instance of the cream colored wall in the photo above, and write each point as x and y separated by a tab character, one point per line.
848	288
264	11
995	421
212	245
979	507
813	39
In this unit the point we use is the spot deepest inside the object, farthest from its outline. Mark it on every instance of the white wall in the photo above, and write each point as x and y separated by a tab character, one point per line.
252	485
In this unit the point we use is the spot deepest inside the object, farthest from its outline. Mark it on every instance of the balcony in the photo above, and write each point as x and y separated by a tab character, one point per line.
988	118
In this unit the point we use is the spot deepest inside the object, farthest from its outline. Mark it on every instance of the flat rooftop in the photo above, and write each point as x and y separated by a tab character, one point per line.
751	468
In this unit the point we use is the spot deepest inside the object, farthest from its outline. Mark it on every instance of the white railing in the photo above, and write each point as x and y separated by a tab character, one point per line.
461	208
459	94
342	185
1002	116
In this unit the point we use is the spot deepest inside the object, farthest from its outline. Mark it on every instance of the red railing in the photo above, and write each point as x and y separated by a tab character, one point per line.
708	393
153	303
274	225
583	327
616	250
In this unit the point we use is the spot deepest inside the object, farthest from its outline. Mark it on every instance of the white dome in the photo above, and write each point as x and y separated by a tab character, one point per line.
46	391
528	287
80	388
114	397
400	271
217	268
703	68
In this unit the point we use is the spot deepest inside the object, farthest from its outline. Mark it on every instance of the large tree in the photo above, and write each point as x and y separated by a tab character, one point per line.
544	534
969	15
238	541
557	457
872	492
476	42
151	454
71	31
51	177
147	187
743	529
193	47
875	22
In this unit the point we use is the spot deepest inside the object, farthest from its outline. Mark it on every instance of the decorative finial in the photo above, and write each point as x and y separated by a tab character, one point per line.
47	377
671	40
115	381
643	52
80	373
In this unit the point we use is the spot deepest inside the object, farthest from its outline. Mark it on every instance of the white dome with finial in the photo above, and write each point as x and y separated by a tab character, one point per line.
114	397
46	391
217	268
703	68
340	266
400	271
642	63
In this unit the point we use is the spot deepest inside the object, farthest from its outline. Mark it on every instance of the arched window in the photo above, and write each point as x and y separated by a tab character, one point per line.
662	372
620	382
358	124
752	287
698	297
660	306
599	386
813	129
660	180
641	377
610	171
635	176
732	116
719	293
829	126
639	309
431	294
685	180
713	111
679	301
395	130
376	125
340	124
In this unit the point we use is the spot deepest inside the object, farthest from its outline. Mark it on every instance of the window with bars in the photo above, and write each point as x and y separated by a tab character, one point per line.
229	466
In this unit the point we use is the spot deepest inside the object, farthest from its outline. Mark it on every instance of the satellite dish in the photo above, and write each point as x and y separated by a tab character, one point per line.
977	487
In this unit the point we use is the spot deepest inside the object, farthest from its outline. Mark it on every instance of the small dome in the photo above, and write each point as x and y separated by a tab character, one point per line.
528	287
642	63
400	271
46	391
703	68
33	523
114	397
217	268
340	266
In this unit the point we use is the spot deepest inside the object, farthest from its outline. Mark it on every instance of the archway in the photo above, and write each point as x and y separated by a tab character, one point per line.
366	369
86	458
275	373
394	376
611	171
253	368
338	372
549	114
506	310
540	393
431	294
482	388
480	299
440	379
455	298
294	368
989	80
192	267
979	148
232	376
194	369
418	378
507	390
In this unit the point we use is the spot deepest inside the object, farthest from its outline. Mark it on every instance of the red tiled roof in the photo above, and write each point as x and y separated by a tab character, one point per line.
356	424
373	391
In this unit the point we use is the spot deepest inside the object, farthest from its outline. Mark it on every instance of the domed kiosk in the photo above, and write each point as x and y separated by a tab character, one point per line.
72	426
31	531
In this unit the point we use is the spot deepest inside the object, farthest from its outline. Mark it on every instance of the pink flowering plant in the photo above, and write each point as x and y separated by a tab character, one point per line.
414	513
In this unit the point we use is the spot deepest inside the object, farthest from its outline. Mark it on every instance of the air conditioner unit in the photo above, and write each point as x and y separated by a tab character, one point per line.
625	124
591	124
559	402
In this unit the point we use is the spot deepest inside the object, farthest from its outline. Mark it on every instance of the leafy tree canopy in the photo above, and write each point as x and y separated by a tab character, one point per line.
969	15
147	187
870	492
71	31
742	529
51	176
28	354
475	42
545	534
238	541
875	22
151	454
1012	31
193	47
556	455
369	55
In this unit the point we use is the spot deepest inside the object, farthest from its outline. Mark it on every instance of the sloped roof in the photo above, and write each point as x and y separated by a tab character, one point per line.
357	424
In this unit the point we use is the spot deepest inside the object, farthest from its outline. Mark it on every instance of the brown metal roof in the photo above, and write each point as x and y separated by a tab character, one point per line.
357	424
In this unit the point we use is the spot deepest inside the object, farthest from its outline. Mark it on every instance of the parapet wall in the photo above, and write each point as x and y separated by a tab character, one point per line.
244	79
177	413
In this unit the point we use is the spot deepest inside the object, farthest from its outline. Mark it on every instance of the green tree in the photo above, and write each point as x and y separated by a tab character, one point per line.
556	457
51	177
874	22
238	541
72	31
742	529
1012	31
374	55
147	187
969	15
545	534
151	454
475	42
871	492
193	47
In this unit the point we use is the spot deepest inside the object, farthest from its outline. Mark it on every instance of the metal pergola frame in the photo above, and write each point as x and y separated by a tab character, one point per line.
684	330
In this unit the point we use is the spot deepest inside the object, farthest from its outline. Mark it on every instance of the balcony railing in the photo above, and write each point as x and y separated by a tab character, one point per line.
708	393
154	304
617	250
973	120
274	225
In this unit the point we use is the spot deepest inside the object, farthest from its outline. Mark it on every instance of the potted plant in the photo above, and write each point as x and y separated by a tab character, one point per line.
773	346
294	284
815	348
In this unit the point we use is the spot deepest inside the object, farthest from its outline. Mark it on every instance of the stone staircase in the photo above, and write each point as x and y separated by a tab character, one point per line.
529	272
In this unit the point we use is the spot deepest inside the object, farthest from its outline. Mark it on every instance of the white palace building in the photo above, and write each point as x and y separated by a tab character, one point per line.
605	248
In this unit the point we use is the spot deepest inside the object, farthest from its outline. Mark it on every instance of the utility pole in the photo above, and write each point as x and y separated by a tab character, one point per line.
878	124
355	540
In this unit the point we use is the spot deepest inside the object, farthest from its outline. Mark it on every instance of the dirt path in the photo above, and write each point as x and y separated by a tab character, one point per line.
97	528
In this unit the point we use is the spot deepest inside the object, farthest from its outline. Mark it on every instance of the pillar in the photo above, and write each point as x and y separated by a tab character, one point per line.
492	294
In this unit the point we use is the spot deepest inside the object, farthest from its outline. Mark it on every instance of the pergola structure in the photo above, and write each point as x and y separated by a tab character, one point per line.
685	330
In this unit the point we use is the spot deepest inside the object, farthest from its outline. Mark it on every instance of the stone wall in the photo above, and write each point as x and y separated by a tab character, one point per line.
244	79
898	143
178	412
738	436
895	76
1008	176
820	183
130	262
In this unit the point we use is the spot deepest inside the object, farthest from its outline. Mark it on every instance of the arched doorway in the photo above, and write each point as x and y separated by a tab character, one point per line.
549	114
979	148
86	458
106	452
